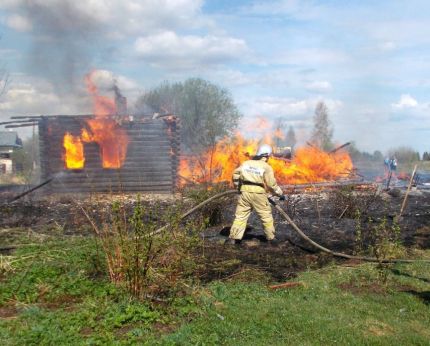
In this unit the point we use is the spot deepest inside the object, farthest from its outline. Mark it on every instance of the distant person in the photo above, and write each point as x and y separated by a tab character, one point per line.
390	164
393	164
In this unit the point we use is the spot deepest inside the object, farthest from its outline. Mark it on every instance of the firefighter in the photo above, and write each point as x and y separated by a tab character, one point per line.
254	179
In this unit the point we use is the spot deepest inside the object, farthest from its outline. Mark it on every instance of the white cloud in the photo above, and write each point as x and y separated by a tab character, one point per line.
311	57
409	112
291	109
171	50
297	9
117	17
387	46
406	101
319	86
281	106
231	78
28	99
18	23
32	96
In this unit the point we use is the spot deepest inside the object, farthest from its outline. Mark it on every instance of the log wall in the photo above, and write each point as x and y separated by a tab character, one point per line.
151	163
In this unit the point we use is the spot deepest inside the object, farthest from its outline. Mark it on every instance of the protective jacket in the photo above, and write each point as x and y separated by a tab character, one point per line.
256	176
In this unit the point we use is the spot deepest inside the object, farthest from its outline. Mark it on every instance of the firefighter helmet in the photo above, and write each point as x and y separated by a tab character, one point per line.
264	150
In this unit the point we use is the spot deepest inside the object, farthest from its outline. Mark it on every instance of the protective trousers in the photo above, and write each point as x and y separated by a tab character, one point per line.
247	202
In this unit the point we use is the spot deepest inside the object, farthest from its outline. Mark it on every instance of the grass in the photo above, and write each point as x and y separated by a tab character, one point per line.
55	291
323	311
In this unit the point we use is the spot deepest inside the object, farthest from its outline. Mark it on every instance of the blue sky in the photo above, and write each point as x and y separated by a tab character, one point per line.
368	60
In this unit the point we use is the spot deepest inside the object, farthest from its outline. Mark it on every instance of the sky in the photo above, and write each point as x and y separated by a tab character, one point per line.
367	60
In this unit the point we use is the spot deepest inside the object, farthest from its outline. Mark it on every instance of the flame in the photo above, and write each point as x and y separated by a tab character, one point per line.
312	165
112	139
74	151
308	165
103	130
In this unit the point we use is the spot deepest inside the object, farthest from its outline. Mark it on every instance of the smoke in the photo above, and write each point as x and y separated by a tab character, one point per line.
63	39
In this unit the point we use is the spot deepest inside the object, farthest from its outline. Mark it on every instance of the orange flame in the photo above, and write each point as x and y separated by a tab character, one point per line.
74	151
103	129
308	165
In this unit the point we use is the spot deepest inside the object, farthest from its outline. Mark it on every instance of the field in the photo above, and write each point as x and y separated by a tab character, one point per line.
56	288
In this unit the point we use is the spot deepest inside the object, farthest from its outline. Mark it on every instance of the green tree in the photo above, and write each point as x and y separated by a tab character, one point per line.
377	156
322	132
162	99
404	154
354	153
26	159
290	138
207	111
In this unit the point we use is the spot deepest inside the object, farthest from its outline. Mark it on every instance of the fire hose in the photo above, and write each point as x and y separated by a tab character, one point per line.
296	228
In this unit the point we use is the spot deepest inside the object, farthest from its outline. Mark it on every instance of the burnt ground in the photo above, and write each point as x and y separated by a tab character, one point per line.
330	217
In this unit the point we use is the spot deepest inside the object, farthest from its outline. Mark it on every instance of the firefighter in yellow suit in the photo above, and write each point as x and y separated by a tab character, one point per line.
254	179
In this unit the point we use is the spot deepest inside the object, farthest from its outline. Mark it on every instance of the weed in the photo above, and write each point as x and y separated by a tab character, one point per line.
213	213
143	262
358	243
346	202
384	243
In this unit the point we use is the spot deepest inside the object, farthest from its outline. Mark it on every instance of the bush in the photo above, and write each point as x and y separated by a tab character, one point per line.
142	260
346	202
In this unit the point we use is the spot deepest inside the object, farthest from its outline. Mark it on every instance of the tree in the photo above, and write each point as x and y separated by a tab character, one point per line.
162	99
322	132
279	132
426	156
26	159
404	154
4	79
207	111
354	153
290	138
377	156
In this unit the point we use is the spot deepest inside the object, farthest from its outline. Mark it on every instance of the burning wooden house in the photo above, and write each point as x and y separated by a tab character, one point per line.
116	155
108	151
93	153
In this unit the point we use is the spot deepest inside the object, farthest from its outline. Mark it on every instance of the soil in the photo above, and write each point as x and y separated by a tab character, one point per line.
374	287
330	217
66	302
7	312
378	288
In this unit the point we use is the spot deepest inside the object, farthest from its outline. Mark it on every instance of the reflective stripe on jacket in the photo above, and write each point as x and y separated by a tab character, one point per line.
256	176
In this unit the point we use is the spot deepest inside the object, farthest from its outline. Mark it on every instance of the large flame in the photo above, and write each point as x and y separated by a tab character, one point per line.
103	130
308	165
74	151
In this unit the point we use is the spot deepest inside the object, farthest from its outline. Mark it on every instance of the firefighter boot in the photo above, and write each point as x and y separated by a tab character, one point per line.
231	241
273	242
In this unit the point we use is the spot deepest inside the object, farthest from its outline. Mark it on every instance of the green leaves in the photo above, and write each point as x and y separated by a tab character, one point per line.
207	111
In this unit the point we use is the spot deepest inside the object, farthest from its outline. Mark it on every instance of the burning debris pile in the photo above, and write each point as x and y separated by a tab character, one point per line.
308	165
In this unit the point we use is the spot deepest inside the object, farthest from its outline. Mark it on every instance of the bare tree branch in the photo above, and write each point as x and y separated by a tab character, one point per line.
4	78
4	81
